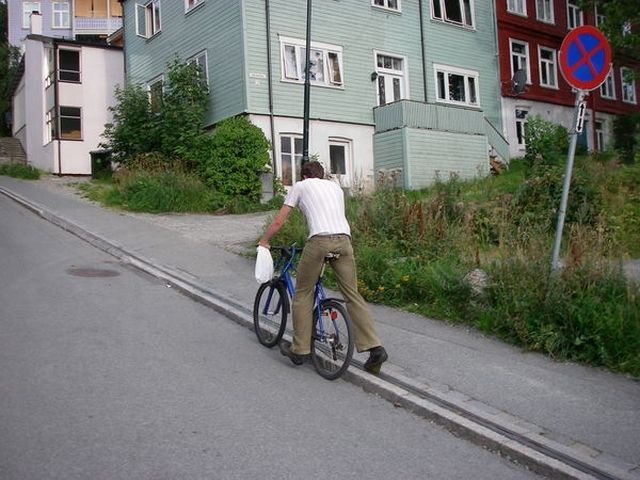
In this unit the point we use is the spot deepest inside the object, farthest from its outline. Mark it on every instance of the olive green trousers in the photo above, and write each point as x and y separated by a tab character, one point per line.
309	268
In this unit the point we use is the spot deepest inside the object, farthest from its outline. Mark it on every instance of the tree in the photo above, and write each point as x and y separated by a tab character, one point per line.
9	62
621	25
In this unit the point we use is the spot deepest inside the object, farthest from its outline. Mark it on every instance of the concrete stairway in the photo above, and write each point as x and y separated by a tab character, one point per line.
11	151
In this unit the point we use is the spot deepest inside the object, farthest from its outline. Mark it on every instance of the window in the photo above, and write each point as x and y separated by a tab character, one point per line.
50	71
148	18
544	11
290	158
548	67
599	128
154	89
628	85
390	4
325	63
521	126
27	9
70	123
50	126
390	79
455	85
68	65
60	14
189	4
608	89
200	59
517	6
459	12
626	28
599	17
574	14
520	57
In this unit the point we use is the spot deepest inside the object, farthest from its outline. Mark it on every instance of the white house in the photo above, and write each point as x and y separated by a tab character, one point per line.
61	101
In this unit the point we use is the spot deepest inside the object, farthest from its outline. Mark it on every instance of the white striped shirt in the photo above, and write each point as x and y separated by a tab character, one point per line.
322	203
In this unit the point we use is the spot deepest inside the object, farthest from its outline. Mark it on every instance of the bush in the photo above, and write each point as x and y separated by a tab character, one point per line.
547	142
626	133
231	160
20	170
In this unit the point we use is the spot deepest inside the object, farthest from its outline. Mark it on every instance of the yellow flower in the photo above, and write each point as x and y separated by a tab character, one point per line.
381	288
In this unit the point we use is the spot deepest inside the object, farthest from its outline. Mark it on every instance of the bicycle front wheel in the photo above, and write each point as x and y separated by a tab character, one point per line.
270	311
332	340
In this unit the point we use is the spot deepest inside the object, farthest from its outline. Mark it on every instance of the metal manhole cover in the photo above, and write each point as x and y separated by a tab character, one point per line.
92	272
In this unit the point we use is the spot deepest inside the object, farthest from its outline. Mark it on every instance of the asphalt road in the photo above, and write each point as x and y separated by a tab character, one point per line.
108	374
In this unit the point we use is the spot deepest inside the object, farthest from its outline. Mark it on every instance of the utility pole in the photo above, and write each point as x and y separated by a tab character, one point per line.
307	89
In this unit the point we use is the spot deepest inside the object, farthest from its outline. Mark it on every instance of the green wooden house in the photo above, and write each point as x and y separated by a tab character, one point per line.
402	89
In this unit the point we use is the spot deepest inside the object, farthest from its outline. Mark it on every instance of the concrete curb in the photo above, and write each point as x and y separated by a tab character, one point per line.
522	442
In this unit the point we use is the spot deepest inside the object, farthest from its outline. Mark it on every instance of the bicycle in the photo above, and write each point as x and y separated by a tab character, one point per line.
332	339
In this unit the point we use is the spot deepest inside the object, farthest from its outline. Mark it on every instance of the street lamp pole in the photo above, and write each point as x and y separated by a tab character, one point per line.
307	89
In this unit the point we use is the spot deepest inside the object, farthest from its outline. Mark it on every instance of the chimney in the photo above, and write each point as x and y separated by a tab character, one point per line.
36	23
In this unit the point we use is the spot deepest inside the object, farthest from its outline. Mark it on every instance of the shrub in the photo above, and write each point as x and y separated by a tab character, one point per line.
626	133
547	142
20	170
231	160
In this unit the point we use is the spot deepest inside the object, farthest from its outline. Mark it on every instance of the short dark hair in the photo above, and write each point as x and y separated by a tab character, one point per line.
312	169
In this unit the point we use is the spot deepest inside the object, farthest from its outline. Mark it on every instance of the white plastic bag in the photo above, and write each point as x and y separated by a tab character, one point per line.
264	265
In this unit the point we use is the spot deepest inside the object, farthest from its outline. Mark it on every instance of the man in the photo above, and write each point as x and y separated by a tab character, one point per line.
322	203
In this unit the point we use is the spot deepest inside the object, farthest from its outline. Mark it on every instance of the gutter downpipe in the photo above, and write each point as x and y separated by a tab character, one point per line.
270	88
424	57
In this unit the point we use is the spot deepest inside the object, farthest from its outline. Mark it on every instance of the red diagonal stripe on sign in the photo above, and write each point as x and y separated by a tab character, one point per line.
586	57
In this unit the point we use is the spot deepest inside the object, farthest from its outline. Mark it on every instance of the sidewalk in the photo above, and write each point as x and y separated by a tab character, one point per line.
588	415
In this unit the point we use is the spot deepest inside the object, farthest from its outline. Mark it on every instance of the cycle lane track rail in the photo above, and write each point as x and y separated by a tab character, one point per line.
515	438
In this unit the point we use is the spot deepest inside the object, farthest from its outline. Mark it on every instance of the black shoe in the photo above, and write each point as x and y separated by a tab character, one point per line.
378	355
296	359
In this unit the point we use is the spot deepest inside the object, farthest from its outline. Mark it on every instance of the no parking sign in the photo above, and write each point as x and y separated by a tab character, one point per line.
585	58
585	62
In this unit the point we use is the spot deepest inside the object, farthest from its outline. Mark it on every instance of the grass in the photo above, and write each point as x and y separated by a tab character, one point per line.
20	170
415	250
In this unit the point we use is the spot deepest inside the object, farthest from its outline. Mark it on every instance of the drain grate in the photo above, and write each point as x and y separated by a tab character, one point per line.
92	272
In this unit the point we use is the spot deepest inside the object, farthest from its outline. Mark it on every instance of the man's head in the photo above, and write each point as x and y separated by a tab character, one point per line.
312	169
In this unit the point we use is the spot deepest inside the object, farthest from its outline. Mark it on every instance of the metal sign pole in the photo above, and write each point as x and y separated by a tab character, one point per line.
307	89
577	127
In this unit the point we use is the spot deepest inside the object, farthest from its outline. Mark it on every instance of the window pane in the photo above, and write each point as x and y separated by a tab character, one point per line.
381	90
396	89
70	123
453	10
456	87
337	157
473	96
468	18
442	93
316	66
287	178
297	145
290	62
334	69
393	4
437	12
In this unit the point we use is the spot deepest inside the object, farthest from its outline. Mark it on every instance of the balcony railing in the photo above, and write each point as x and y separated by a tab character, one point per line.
412	114
97	25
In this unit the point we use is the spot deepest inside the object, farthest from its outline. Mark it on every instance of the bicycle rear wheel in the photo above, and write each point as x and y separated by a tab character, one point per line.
332	340
270	310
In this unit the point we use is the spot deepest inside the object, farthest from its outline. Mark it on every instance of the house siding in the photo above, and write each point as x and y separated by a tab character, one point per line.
390	155
17	34
214	26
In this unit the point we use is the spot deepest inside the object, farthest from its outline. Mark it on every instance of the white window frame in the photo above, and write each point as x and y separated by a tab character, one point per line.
575	15
599	127
191	4
343	178
50	126
471	82
387	5
548	66
67	71
202	60
386	75
61	134
295	160
467	13
523	57
293	67
517	7
545	11
608	87
60	17
627	88
599	17
150	88
521	126
151	13
26	12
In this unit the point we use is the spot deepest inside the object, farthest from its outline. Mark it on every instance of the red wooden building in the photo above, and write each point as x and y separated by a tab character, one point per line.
530	33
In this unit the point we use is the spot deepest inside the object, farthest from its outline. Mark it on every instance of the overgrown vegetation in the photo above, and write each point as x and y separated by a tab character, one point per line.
20	170
426	252
167	162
